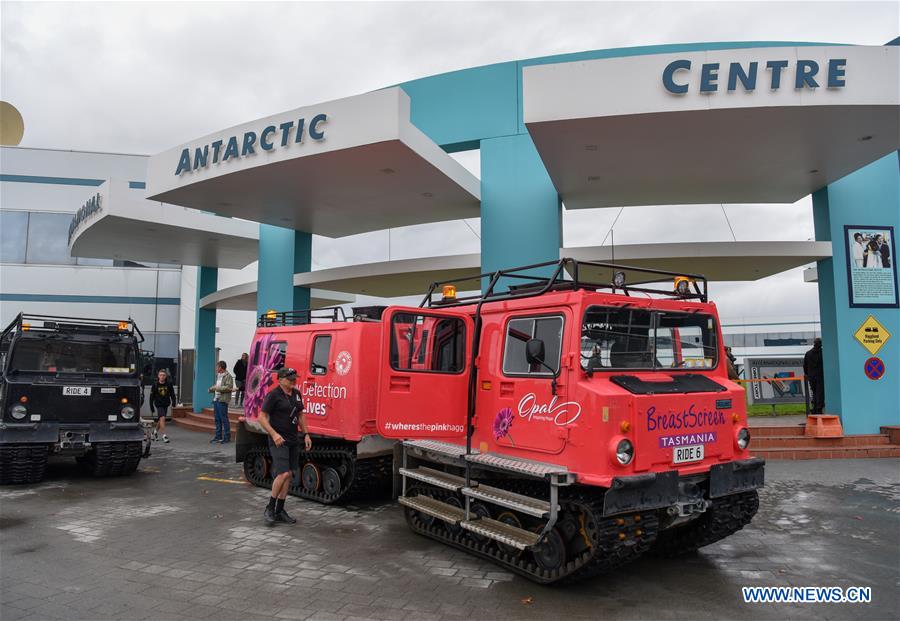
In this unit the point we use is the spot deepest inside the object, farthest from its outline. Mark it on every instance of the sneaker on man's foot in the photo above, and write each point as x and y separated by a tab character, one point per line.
282	516
214	440
155	436
165	438
269	516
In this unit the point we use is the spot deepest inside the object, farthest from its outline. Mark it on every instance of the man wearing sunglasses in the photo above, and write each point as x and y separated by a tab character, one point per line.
280	415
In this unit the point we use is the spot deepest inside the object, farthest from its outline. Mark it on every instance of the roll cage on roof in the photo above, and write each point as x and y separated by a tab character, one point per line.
567	275
26	322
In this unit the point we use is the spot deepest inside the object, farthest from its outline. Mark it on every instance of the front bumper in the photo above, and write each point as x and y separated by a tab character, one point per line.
657	490
49	432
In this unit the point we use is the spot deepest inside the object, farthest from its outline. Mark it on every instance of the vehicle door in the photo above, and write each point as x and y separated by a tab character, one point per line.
523	410
317	382
424	375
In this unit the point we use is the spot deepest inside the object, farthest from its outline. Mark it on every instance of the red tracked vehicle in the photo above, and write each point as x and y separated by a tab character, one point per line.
561	430
555	428
336	359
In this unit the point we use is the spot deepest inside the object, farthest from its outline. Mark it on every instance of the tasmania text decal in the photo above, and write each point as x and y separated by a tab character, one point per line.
705	437
688	418
560	413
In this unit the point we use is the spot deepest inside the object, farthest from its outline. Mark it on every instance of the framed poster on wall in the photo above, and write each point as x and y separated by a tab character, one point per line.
871	266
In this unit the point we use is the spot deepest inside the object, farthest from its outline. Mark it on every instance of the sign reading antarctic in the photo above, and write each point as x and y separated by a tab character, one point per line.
269	138
807	74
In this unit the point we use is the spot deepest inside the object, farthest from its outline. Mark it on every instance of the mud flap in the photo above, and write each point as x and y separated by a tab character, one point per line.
736	476
246	439
641	492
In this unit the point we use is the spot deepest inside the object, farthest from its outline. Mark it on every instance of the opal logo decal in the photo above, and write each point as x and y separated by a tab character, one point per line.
807	74
343	362
561	414
241	146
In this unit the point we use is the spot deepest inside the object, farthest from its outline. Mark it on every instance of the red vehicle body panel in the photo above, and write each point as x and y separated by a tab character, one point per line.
340	398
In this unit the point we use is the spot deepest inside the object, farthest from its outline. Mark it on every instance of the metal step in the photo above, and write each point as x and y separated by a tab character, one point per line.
435	477
518	502
504	533
527	467
434	508
436	446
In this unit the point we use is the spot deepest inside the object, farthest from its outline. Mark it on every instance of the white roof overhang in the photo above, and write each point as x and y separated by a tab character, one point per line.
338	168
116	224
611	134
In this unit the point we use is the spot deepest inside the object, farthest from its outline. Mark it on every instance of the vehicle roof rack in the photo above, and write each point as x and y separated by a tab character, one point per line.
566	275
82	325
273	319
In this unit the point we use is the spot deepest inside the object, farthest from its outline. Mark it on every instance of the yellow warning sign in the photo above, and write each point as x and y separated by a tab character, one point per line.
872	335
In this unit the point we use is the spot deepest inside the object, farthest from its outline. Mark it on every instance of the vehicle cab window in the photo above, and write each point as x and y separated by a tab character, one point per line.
519	331
320	356
637	338
428	344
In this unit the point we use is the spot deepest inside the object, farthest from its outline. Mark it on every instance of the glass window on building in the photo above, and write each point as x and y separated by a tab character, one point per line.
48	238
13	236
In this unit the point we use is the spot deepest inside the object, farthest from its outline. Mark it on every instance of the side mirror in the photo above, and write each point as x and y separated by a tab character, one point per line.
534	351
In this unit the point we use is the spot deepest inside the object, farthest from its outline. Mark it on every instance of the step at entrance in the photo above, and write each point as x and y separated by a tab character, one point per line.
525	504
434	508
502	533
527	467
444	480
446	449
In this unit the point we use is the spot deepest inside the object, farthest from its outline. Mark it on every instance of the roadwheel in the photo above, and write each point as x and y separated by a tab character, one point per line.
310	477
550	554
331	482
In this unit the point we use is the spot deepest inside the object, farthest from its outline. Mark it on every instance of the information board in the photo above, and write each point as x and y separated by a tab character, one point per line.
871	266
771	380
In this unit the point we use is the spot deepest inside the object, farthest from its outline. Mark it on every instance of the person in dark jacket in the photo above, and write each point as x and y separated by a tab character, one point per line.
240	376
884	250
162	395
814	371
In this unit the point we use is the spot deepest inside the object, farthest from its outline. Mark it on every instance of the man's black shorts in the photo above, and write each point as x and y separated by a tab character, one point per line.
284	458
160	413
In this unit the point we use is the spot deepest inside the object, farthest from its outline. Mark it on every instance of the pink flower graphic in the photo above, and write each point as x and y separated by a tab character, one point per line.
259	376
502	422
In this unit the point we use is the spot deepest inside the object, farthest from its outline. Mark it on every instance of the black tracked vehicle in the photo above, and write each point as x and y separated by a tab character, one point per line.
69	387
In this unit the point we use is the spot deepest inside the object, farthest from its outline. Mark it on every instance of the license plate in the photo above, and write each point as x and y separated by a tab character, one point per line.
683	454
76	391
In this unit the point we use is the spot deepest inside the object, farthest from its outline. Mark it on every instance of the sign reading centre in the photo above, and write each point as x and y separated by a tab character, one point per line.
808	74
269	138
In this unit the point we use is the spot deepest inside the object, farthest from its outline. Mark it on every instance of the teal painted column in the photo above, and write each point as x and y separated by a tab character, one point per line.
867	197
282	253
204	340
521	214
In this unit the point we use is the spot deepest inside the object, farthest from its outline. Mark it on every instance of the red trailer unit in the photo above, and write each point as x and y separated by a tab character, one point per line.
565	427
336	359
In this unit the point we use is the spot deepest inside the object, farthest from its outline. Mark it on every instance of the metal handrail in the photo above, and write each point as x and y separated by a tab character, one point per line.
301	317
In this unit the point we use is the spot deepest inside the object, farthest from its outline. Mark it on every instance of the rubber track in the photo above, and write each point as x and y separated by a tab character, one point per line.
366	476
606	553
113	459
22	463
726	516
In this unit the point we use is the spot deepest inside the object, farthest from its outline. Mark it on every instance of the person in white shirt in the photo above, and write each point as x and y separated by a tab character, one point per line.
859	248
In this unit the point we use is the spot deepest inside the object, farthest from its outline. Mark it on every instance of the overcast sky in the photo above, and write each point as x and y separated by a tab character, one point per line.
142	78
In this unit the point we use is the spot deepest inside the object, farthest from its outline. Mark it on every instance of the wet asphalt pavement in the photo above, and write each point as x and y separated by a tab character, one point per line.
184	539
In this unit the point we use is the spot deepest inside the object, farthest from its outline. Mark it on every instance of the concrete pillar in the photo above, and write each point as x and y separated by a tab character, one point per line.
204	340
521	213
282	253
869	197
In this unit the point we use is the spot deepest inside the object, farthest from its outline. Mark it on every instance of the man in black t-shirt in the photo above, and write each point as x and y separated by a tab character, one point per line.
280	415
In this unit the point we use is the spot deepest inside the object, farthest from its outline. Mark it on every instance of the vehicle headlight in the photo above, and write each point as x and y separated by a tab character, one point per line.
743	438
624	452
18	411
128	412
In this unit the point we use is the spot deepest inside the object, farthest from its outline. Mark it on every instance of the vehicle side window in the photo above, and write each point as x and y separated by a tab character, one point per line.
277	355
519	331
321	352
428	344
